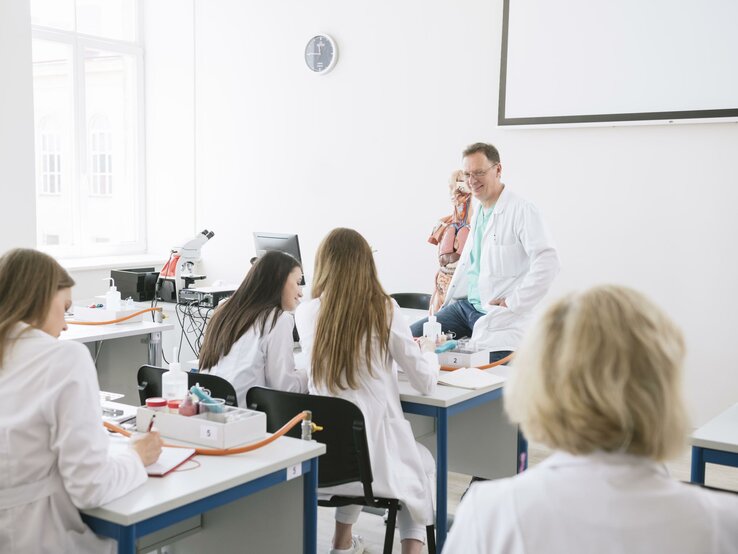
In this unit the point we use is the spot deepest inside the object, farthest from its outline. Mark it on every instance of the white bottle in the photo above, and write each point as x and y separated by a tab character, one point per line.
432	329
112	297
174	381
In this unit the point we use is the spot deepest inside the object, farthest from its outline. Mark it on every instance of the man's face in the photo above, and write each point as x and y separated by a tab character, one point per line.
483	178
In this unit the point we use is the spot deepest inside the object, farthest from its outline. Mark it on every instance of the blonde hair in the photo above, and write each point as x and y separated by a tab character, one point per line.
602	371
29	279
354	310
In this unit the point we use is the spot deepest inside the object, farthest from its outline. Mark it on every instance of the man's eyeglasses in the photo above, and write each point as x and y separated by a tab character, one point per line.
479	173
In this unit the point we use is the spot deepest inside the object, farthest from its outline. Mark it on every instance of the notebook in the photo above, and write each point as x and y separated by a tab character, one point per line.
469	378
169	460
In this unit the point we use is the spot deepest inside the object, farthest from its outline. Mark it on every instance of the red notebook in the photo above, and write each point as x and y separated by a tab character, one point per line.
169	460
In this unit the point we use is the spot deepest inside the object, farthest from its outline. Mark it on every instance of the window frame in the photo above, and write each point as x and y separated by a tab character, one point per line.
82	172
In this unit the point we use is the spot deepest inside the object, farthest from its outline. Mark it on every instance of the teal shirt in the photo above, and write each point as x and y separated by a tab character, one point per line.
474	257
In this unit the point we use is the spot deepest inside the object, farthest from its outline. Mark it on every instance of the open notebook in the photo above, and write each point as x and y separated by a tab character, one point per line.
170	459
469	378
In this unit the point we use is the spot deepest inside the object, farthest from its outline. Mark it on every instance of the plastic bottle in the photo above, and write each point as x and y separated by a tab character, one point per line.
432	329
112	297
174	381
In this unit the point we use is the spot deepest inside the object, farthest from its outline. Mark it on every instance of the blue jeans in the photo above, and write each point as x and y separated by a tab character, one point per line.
458	318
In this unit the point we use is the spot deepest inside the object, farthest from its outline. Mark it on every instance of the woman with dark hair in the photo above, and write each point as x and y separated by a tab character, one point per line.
54	453
249	338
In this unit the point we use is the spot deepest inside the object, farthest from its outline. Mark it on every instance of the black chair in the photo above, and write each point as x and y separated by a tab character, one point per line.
347	454
149	384
412	300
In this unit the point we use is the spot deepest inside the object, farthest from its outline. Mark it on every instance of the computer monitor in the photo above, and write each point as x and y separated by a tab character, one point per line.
288	244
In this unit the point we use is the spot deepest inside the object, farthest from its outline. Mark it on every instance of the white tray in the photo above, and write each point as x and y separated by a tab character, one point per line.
235	426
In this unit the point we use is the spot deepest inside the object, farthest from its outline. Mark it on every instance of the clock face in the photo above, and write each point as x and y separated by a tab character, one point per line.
321	54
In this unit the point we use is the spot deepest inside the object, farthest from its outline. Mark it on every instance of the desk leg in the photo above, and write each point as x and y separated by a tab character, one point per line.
698	466
310	509
441	478
155	349
127	540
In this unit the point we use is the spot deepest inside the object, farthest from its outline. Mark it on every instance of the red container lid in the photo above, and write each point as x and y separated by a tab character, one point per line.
173	404
155	402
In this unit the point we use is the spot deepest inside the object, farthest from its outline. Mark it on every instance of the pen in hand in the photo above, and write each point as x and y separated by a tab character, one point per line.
151	423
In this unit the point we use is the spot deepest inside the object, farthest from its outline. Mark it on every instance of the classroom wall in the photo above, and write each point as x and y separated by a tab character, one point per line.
371	145
17	187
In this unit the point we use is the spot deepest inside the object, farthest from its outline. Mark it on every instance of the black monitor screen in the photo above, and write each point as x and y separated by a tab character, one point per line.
288	244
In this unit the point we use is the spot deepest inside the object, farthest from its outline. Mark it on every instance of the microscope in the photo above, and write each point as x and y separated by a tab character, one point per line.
178	274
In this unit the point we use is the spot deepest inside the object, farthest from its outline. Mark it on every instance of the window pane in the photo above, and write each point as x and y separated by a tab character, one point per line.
53	104
53	13
113	19
112	115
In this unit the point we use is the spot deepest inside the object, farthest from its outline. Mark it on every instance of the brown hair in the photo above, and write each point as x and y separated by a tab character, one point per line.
489	151
354	310
29	279
602	371
259	295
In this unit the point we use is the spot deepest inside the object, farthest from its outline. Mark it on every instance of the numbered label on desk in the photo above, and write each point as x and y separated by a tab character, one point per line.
209	432
294	471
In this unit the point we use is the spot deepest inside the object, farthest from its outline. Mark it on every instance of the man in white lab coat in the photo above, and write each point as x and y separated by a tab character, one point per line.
507	266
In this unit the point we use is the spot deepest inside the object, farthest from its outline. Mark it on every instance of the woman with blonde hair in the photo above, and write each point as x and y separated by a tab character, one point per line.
352	333
54	452
599	381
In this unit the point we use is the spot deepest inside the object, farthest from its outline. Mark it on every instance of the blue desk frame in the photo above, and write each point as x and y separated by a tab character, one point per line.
702	456
126	535
441	415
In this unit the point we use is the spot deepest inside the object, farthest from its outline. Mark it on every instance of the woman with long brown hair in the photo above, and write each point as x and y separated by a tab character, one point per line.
54	452
355	337
249	341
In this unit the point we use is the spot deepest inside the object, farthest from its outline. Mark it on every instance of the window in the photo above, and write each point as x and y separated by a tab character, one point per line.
88	103
101	156
51	159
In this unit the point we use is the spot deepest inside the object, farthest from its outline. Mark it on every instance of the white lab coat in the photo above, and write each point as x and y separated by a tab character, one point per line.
263	360
401	467
604	503
518	262
54	452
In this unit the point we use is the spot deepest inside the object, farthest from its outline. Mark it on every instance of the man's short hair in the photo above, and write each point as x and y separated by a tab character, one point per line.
602	371
488	150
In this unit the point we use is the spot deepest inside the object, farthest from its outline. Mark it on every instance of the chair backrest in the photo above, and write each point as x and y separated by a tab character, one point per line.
412	300
149	384
344	432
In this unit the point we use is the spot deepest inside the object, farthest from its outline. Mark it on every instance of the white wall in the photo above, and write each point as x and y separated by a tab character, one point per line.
17	188
371	144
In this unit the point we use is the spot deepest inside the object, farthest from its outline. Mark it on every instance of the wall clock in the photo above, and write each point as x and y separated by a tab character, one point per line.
321	54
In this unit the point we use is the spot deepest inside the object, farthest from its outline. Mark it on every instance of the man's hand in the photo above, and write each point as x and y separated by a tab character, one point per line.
498	302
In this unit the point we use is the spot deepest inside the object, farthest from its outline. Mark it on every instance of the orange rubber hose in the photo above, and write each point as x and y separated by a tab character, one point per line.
224	451
487	366
114	320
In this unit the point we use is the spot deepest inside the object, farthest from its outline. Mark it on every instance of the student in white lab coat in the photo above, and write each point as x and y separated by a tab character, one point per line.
54	451
249	340
600	382
352	333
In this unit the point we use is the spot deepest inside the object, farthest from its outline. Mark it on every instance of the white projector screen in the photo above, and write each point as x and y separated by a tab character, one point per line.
589	61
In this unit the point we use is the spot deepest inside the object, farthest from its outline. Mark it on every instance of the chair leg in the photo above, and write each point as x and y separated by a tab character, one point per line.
431	533
389	534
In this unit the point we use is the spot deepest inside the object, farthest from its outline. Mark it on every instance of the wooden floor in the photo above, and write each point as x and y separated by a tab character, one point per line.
371	527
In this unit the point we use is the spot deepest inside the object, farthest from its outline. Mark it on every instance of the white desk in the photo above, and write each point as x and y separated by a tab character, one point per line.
472	436
716	442
220	481
97	333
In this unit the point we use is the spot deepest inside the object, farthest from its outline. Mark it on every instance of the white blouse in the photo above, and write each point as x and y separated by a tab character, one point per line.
604	503
263	360
397	465
55	456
